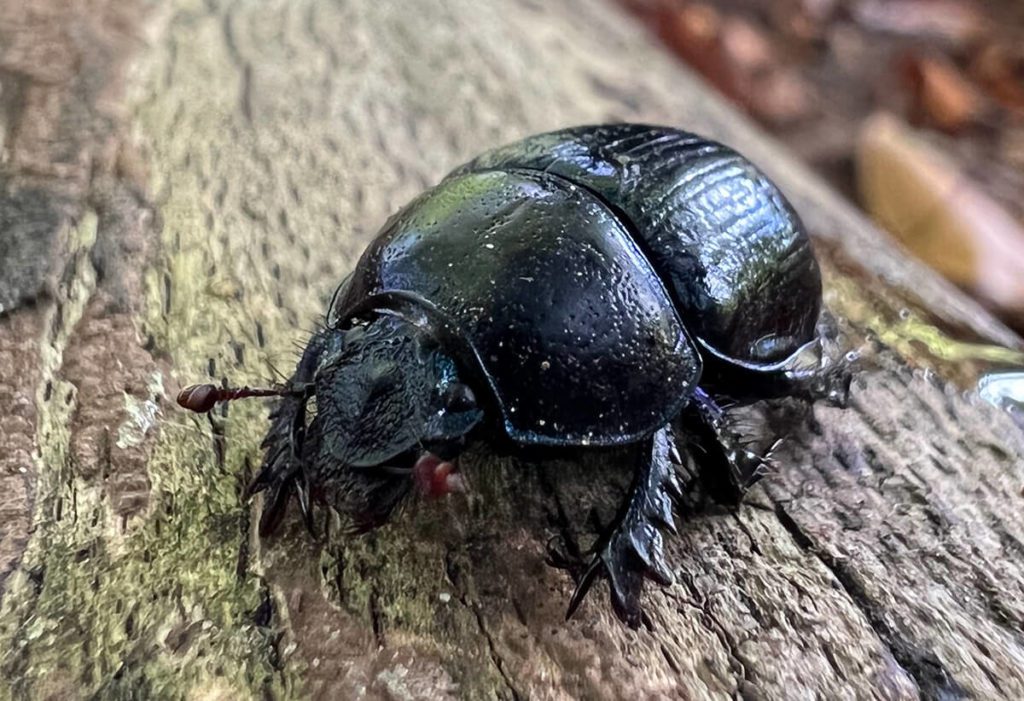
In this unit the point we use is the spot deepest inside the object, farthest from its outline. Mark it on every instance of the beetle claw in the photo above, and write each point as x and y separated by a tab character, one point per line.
273	508
302	490
583	586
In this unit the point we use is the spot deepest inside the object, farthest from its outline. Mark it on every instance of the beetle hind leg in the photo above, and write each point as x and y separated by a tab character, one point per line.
632	548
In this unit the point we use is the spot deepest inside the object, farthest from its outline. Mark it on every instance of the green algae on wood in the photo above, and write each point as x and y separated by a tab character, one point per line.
156	605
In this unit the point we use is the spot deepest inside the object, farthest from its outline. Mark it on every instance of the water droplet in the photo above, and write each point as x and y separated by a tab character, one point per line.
1004	390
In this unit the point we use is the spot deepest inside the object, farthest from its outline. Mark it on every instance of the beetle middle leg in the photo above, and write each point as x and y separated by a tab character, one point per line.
727	468
632	548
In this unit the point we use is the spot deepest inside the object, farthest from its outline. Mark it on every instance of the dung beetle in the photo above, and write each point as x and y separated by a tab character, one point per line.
590	287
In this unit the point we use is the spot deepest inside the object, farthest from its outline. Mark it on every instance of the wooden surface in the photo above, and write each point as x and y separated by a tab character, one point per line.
187	186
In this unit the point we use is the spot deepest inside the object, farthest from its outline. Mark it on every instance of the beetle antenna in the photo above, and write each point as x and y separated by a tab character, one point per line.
202	398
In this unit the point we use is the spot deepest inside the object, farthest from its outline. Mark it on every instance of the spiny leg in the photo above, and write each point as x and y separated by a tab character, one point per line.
727	467
632	547
810	375
283	471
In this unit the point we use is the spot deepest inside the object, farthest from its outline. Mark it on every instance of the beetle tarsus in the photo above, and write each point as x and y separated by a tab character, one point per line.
632	549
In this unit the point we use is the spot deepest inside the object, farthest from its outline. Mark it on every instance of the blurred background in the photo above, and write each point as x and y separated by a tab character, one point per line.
912	108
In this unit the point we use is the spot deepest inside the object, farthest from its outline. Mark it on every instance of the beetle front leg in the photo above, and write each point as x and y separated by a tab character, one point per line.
632	548
283	472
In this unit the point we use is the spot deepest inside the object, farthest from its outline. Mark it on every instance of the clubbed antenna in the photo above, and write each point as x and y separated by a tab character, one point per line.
202	398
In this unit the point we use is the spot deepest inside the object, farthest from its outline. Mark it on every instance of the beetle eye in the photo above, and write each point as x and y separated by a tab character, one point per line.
458	397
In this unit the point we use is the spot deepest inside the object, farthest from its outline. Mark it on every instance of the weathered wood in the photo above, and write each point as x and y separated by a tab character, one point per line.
881	560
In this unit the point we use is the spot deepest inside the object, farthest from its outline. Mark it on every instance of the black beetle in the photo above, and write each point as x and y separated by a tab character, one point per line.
595	286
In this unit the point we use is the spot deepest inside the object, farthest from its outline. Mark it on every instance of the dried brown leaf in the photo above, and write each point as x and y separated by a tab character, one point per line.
921	195
943	96
954	21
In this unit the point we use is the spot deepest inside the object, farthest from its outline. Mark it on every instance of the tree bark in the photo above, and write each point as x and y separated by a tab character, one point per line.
183	189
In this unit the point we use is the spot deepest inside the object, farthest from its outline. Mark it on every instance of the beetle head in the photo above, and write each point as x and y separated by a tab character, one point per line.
387	395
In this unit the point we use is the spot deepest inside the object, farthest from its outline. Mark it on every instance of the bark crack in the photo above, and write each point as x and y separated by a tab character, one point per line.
922	665
492	650
712	624
452	572
376	615
244	66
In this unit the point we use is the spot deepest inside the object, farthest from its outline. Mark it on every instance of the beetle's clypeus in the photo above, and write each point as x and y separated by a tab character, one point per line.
595	286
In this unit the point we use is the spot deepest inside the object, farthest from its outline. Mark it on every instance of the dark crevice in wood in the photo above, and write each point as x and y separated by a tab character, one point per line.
754	547
560	518
670	659
994	598
245	98
376	614
453	573
707	619
493	652
244	524
929	674
218	436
